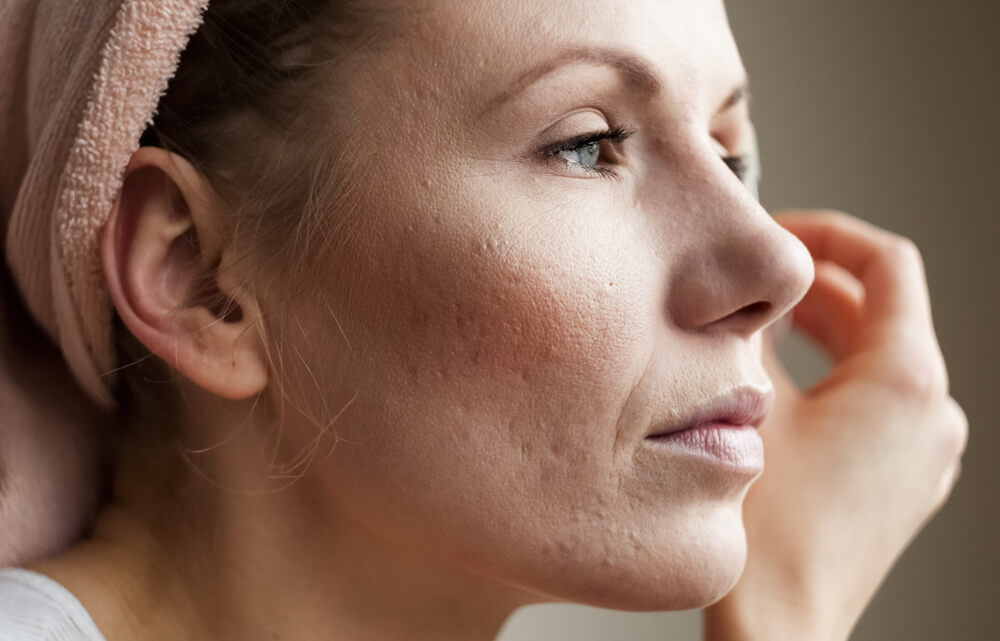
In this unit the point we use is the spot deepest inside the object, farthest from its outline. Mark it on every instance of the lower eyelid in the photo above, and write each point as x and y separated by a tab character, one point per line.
570	169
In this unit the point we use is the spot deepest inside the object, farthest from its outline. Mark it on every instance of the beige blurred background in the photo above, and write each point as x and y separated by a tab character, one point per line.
889	110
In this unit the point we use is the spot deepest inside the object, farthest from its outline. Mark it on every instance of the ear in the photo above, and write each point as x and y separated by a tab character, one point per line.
172	281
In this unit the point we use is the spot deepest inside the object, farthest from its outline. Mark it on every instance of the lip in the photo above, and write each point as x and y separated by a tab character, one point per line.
744	406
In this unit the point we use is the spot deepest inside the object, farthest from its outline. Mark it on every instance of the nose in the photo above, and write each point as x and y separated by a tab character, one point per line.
739	271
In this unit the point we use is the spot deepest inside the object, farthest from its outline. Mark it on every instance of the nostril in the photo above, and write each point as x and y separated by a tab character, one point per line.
752	314
745	321
759	308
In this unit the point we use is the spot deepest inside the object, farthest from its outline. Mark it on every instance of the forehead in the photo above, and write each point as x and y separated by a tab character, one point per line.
489	43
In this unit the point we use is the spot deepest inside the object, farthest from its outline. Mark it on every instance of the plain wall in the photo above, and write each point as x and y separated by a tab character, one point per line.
888	110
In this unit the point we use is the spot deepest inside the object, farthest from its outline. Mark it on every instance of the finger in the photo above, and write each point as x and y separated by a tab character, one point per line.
947	484
786	393
831	311
888	266
784	387
957	428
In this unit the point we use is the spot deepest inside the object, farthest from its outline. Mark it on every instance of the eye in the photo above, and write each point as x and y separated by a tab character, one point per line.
585	155
739	165
585	152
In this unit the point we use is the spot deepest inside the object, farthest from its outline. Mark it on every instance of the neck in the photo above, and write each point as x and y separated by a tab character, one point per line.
200	562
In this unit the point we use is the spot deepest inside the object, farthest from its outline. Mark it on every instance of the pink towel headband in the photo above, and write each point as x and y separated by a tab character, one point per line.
79	83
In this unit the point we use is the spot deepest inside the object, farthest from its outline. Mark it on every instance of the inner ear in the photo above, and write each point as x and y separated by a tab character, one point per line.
206	293
192	271
205	283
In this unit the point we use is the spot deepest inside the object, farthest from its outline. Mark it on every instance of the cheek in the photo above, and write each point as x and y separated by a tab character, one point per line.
492	361
488	372
500	314
508	346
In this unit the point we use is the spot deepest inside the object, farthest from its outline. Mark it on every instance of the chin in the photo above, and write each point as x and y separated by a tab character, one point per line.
692	567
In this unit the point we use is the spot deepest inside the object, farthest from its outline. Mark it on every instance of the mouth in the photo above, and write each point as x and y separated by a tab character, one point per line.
744	407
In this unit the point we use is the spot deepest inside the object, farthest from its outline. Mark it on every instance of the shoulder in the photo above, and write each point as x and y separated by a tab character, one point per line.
33	607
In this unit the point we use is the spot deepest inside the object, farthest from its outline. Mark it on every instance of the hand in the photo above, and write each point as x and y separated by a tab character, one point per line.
857	464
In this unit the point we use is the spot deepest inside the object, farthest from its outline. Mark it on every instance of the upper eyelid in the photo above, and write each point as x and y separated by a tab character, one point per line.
616	134
573	143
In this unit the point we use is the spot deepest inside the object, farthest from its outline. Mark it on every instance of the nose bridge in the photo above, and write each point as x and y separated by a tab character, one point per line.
737	269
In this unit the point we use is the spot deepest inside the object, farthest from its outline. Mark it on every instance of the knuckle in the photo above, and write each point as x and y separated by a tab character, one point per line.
837	219
957	427
830	218
912	362
835	216
900	251
947	485
921	379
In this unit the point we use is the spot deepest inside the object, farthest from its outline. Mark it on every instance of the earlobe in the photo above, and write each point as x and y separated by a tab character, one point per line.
170	279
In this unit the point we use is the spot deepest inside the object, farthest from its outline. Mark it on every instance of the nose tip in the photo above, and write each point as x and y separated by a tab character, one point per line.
742	280
783	276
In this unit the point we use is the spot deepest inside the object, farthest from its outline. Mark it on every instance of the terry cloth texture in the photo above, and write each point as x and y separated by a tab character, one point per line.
79	83
33	607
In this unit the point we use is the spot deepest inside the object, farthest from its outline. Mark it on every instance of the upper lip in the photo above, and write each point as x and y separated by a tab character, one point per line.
744	405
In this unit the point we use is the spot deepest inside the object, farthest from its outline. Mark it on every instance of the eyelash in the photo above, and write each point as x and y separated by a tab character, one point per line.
739	165
616	135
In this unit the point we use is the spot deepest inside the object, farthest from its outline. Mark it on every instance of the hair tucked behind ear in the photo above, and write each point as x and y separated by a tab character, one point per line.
251	80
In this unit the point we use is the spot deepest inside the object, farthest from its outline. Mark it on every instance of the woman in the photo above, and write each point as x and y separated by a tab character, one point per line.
456	307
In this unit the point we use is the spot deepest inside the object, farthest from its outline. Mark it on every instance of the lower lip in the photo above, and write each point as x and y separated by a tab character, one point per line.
735	446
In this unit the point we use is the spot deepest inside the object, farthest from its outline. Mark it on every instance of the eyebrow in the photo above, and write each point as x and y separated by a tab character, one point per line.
739	94
638	74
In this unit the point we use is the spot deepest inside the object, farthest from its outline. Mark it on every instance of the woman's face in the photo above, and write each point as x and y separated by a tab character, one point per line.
513	313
